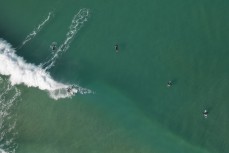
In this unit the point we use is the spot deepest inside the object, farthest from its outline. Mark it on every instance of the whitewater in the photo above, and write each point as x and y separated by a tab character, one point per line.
9	97
31	75
18	71
21	72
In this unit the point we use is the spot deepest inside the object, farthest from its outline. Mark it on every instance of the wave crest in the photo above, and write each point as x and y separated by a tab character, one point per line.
21	72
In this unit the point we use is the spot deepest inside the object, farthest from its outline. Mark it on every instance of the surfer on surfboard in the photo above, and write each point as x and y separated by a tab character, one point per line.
116	48
169	84
205	113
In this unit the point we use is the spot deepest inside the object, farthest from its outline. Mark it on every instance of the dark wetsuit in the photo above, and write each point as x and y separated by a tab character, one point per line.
169	83
116	48
205	113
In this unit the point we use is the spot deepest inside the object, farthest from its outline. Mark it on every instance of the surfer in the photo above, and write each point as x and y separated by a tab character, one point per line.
71	90
205	113
53	46
169	84
116	48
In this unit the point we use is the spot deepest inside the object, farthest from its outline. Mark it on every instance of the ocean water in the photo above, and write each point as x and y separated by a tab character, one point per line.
63	88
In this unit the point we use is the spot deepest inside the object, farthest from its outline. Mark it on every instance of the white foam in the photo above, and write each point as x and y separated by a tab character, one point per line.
21	72
35	31
8	99
77	23
2	151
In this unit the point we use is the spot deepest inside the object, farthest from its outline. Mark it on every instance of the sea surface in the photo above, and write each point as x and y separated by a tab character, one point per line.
64	88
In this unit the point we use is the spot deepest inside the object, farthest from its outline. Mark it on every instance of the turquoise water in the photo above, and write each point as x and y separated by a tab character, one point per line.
131	109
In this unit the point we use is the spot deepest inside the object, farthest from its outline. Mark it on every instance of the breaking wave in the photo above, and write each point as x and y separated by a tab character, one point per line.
9	96
21	72
77	23
36	30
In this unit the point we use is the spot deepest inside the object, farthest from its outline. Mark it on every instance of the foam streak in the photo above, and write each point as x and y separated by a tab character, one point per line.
77	23
35	31
8	99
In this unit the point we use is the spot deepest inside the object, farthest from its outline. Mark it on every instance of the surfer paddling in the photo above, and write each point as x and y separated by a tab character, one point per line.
116	48
53	46
205	113
169	84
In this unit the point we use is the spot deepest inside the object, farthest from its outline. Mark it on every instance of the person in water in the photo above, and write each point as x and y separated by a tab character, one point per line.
169	84
53	46
205	113
70	89
116	48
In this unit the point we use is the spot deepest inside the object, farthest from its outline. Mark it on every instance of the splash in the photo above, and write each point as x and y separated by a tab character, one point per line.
9	96
2	151
21	72
77	23
35	31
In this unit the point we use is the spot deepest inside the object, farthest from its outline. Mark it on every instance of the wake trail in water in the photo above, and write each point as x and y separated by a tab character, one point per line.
9	97
21	72
36	30
77	23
